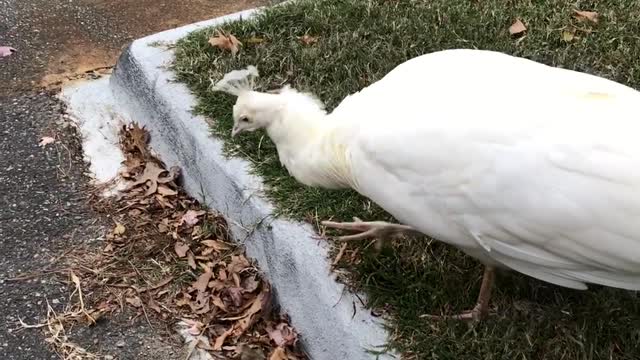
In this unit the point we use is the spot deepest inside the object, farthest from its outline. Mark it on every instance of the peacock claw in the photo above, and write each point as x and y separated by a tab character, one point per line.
476	314
481	310
368	229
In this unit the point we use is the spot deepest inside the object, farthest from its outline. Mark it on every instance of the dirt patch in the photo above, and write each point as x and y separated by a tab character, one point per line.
60	40
77	60
78	54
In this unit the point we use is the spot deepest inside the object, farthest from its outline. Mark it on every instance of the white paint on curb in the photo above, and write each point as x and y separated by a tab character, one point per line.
296	264
95	116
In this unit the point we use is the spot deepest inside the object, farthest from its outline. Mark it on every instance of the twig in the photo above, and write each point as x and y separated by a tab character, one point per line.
158	285
340	254
144	310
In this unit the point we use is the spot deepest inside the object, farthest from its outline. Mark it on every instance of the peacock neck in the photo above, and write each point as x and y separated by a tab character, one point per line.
313	152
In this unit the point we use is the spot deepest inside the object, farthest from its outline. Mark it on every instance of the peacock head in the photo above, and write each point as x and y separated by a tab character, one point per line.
253	110
278	111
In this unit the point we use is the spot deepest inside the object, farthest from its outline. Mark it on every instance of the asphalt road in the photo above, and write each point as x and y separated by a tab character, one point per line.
43	209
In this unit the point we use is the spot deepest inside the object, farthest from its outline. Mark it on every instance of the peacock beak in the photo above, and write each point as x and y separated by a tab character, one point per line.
236	130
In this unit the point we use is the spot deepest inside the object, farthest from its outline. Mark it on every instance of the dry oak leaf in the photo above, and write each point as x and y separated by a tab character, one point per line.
216	245
517	28
166	191
191	260
152	173
258	305
181	249
250	284
140	137
587	15
191	217
202	282
282	334
238	263
278	354
217	345
225	41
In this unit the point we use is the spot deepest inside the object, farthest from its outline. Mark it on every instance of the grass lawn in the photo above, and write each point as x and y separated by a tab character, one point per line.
357	43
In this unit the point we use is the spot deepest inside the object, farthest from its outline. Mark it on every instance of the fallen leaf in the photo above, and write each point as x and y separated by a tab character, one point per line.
183	301
152	173
217	345
219	303
201	304
236	279
517	28
119	229
202	282
140	137
225	41
191	217
278	354
251	314
46	140
587	15
568	36
250	284
132	163
154	305
166	191
282	334
181	249
191	260
308	39
134	301
216	285
238	263
222	274
216	245
6	51
192	327
174	172
235	293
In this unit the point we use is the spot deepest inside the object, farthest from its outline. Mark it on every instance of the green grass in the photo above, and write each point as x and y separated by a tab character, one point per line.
358	43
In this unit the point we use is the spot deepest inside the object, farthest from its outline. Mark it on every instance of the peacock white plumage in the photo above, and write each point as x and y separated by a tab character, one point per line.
519	164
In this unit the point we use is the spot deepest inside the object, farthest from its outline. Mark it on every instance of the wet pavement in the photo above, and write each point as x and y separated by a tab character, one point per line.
43	204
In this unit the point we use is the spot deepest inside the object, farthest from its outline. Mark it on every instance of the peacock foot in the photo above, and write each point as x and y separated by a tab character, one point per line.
481	310
367	229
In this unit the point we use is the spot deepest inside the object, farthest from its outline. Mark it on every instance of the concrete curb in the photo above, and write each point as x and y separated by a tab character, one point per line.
296	264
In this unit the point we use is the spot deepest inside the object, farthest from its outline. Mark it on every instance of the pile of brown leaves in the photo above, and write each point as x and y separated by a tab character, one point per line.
170	259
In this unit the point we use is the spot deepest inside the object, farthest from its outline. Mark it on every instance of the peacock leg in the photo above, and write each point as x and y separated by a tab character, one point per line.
367	229
481	310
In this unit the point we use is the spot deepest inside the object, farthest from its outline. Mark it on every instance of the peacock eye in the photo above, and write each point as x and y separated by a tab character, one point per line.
244	119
